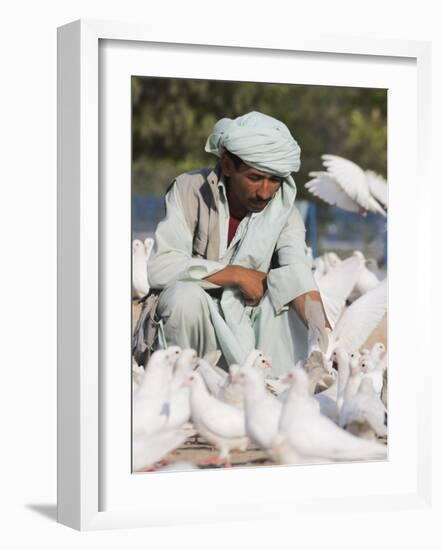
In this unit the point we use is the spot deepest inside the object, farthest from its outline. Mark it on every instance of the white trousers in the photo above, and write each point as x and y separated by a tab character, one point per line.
192	318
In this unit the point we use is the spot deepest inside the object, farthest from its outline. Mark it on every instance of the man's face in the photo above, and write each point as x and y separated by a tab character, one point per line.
250	190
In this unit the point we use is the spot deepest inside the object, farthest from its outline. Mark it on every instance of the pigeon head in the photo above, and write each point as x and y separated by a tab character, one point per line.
187	359
262	362
172	354
148	244
354	359
333	259
137	245
339	355
366	364
378	347
254	356
298	380
191	379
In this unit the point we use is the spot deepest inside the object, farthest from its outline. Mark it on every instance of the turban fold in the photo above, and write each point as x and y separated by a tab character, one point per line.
259	140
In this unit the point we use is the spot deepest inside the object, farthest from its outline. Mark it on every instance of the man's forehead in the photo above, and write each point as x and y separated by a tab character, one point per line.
251	170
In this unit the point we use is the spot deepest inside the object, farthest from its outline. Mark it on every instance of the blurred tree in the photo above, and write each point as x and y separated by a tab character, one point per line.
173	117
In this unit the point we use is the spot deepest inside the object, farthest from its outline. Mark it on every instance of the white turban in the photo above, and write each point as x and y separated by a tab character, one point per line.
259	140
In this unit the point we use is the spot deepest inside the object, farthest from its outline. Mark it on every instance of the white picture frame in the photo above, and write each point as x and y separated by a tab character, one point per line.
80	294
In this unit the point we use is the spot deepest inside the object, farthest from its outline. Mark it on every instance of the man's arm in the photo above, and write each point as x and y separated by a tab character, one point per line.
298	304
173	259
290	284
253	284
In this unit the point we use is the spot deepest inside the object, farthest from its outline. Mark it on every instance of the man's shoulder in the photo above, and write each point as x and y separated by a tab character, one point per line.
197	178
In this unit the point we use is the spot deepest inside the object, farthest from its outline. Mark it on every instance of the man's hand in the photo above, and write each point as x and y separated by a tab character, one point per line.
299	305
251	283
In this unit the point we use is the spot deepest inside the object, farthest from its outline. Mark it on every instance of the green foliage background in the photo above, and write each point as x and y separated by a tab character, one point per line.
173	117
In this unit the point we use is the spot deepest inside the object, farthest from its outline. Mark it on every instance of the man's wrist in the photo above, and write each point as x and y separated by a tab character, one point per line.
235	272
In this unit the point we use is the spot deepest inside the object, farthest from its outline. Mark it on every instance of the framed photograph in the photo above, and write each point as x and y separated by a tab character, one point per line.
139	113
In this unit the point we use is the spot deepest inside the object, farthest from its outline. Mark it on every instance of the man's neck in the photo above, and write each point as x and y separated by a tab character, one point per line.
236	210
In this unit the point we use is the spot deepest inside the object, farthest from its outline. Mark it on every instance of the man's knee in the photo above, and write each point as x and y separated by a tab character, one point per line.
183	301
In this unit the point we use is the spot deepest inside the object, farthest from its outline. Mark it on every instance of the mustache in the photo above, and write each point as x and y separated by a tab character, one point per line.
260	201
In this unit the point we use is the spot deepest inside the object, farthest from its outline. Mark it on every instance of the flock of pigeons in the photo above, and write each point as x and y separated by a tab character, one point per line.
330	407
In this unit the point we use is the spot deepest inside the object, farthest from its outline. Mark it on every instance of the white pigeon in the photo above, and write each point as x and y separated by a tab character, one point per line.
376	352
283	453
155	446
347	186
367	279
320	372
262	409
212	357
363	414
151	437
140	286
314	436
330	400
337	285
213	379
287	382
179	401
374	371
358	321
137	375
319	268
276	385
331	260
231	392
221	424
150	400
148	247
378	187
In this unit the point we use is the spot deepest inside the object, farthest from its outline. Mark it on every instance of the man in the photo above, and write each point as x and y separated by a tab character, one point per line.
231	258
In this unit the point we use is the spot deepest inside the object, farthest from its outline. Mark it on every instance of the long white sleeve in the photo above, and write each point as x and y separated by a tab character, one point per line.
173	259
294	276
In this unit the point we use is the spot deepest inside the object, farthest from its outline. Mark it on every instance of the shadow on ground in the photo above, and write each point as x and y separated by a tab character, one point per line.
48	511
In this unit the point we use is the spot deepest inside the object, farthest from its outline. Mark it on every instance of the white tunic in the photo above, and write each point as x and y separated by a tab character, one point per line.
270	326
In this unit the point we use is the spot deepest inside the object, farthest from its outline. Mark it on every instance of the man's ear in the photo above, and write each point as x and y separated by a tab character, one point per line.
227	165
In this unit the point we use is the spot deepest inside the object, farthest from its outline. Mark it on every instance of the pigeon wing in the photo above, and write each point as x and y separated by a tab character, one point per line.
378	187
147	451
223	420
360	319
325	187
352	179
336	286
